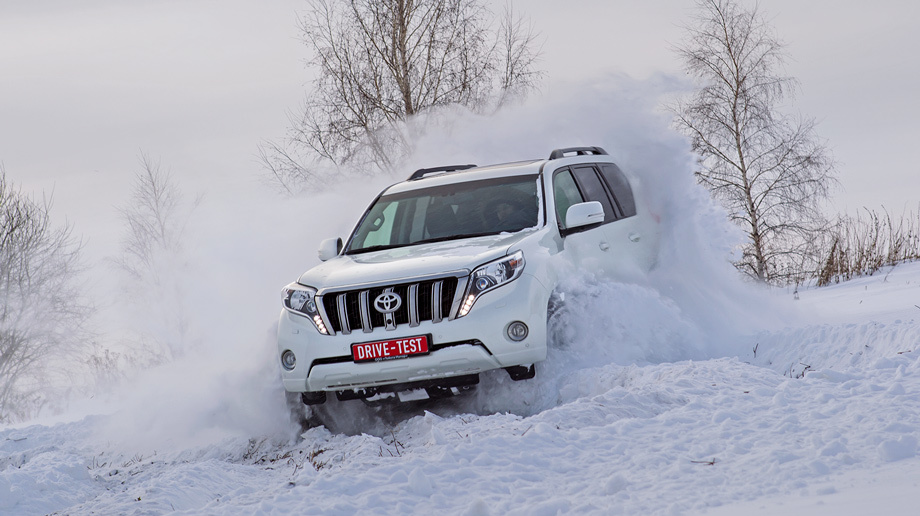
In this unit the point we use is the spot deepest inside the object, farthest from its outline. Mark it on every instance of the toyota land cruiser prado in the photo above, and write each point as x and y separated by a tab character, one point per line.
450	274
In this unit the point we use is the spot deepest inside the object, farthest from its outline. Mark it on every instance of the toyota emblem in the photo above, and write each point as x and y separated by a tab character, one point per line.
388	302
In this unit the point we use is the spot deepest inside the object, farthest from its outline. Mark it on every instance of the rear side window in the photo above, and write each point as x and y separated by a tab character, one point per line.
566	194
620	187
594	190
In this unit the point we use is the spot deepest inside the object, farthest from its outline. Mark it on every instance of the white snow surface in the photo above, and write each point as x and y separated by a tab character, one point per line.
823	419
682	391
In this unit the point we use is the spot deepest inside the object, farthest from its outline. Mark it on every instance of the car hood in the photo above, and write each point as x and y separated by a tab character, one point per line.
410	261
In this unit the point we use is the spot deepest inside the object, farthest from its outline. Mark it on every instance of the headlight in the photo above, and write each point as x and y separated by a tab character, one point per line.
489	276
301	300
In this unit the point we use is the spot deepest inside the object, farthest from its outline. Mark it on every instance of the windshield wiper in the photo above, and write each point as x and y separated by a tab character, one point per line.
374	248
453	237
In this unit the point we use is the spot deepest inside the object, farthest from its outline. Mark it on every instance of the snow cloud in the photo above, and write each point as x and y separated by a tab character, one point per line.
245	243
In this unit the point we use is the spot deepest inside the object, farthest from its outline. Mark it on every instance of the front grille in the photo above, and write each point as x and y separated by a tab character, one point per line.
353	310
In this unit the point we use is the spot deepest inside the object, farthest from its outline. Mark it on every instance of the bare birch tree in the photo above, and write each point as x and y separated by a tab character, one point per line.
154	224
42	311
153	256
768	169
518	42
382	63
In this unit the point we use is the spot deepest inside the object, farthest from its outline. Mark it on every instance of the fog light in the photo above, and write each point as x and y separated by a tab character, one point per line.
288	360
517	331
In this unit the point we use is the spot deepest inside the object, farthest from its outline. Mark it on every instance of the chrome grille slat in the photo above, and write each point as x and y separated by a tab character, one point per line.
364	306
436	301
340	301
413	305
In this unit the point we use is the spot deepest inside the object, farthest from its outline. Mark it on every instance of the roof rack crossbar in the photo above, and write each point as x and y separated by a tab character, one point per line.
422	172
579	151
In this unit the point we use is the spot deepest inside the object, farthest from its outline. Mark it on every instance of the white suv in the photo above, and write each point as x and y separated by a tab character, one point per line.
451	273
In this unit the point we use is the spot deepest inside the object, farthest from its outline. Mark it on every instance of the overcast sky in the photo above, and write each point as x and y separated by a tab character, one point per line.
86	86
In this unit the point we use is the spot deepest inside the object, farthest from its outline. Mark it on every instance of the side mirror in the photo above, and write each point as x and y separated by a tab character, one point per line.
329	248
584	214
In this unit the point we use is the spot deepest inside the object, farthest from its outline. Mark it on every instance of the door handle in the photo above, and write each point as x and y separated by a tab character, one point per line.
634	237
604	246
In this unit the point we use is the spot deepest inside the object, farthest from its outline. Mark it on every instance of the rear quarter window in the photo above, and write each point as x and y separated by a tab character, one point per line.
620	188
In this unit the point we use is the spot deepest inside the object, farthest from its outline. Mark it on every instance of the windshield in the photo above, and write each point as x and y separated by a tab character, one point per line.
448	212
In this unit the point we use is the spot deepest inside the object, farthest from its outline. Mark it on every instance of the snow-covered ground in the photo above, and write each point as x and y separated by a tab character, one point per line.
816	418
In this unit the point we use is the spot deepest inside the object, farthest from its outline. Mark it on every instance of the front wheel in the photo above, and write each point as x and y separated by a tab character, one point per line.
518	373
302	412
555	315
313	398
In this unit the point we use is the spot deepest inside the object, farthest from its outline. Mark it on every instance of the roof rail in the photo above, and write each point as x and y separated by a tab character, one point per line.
579	151
422	172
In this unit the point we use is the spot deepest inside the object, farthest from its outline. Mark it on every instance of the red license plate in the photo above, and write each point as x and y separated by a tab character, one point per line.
390	349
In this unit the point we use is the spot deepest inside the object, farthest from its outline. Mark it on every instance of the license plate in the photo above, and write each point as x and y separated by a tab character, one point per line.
390	349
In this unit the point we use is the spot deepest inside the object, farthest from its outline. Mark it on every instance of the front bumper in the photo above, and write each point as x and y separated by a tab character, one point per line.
468	345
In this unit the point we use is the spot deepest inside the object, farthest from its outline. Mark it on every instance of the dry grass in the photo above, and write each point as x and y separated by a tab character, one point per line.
862	245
